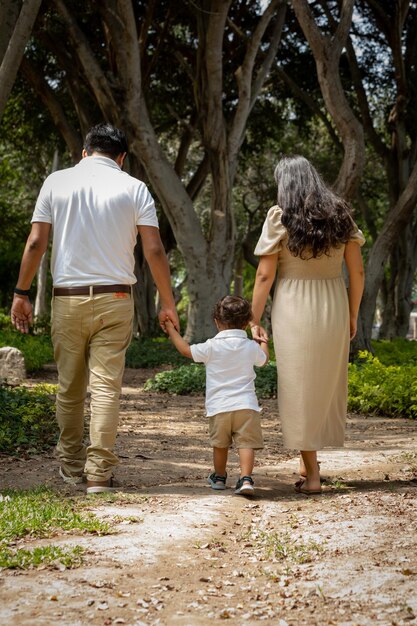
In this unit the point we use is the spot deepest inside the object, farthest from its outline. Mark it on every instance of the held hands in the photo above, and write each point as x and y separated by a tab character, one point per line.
169	327
168	314
259	333
21	313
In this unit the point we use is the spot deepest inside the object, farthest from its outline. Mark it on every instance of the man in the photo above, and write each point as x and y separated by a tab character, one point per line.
95	210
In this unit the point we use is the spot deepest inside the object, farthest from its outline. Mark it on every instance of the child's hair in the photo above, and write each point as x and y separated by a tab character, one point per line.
233	312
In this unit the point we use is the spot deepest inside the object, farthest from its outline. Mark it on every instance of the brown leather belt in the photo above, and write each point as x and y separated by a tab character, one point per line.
85	291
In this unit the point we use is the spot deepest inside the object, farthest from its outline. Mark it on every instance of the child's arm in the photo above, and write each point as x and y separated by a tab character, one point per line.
181	345
264	347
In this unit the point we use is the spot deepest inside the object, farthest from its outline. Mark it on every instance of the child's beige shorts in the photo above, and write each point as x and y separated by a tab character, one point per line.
243	427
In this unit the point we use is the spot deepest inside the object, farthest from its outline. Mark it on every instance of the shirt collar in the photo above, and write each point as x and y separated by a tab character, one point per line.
231	332
99	160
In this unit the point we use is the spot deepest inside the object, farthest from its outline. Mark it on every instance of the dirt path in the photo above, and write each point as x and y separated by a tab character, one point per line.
183	554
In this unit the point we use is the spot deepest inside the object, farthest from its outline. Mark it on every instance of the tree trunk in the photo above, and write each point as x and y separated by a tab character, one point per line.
12	57
40	308
326	51
396	222
208	254
203	294
238	275
9	12
398	305
399	157
146	319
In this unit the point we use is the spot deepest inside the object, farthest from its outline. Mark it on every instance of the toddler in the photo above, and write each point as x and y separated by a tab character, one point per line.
231	402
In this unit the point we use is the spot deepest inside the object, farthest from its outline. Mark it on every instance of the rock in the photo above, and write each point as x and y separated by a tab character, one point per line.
12	365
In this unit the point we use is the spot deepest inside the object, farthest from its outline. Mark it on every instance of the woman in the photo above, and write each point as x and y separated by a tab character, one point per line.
307	236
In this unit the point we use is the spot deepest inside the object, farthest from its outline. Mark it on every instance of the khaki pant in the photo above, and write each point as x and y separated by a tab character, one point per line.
242	426
90	336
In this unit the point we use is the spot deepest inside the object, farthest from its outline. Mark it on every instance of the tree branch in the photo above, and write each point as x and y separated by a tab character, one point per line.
327	64
95	76
15	49
46	94
248	89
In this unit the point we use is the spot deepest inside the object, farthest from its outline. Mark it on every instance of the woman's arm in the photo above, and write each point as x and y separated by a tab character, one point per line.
265	276
354	265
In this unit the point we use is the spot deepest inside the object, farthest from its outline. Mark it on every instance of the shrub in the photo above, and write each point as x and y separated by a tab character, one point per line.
396	351
184	380
37	349
153	353
191	379
4	320
27	418
382	390
373	387
266	380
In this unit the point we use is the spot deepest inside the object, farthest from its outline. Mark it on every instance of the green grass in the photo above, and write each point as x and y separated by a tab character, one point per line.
49	556
282	547
40	513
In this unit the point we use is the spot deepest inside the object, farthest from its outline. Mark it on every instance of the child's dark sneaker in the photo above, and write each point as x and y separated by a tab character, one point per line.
217	482
244	486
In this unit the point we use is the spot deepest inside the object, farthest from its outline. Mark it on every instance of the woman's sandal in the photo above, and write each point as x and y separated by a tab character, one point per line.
304	476
298	487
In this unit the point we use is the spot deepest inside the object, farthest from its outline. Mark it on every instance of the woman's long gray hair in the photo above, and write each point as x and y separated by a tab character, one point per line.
315	217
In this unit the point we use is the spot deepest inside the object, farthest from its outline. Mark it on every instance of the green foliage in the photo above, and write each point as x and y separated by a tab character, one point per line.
373	387
4	320
184	380
27	418
37	349
153	352
382	390
266	381
191	379
396	351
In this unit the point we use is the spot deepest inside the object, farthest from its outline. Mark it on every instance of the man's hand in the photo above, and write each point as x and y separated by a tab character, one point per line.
168	313
21	313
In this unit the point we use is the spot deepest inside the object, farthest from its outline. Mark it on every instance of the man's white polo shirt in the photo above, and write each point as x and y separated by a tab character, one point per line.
94	208
229	358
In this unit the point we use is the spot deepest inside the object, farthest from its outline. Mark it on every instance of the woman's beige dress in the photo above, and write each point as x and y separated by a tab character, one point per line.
310	325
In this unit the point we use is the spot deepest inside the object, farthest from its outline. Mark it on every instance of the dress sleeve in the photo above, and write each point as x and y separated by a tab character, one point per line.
357	236
273	232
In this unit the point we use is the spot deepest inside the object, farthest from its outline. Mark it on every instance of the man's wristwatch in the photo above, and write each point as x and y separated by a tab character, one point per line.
21	292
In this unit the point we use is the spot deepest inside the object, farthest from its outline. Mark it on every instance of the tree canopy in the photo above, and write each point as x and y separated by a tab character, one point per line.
210	93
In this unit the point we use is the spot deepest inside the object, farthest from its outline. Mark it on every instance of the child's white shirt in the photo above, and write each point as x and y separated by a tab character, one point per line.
229	358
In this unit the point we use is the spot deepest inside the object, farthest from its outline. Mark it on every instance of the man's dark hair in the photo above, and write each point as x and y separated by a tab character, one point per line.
106	139
233	312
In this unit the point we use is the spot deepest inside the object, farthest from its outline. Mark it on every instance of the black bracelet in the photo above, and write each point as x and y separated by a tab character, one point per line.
21	292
